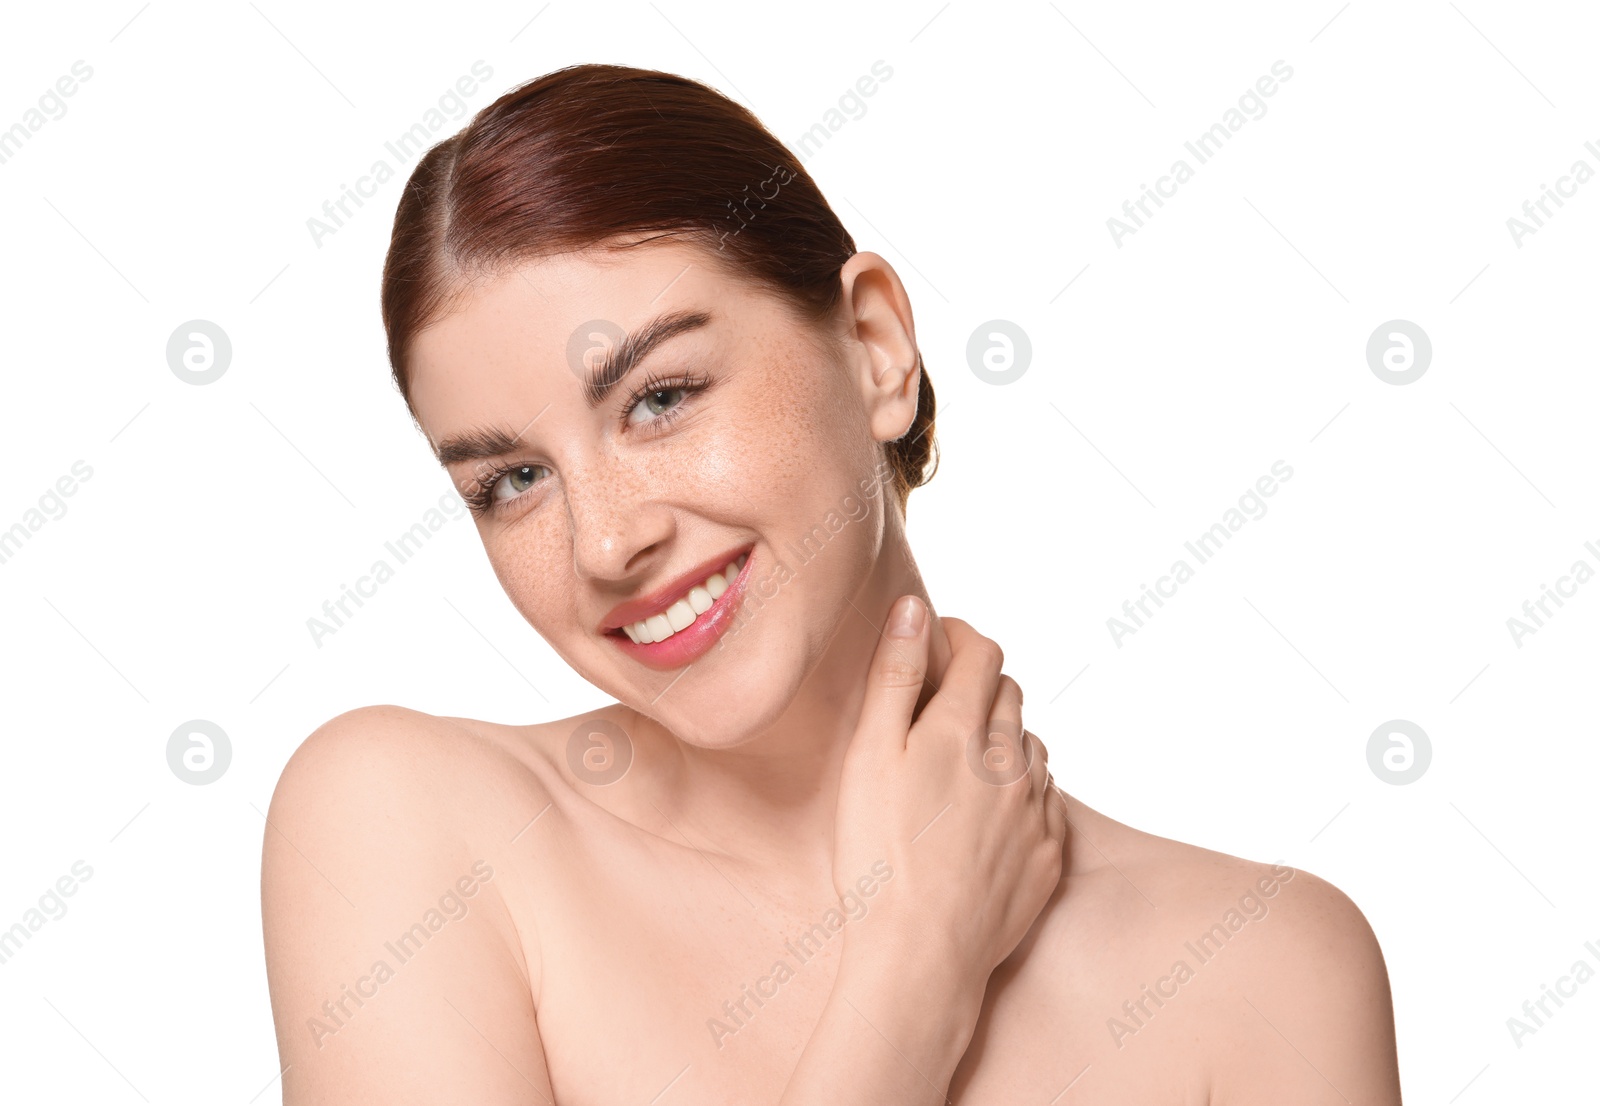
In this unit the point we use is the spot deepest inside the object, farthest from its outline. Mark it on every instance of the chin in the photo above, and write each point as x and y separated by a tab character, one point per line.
736	691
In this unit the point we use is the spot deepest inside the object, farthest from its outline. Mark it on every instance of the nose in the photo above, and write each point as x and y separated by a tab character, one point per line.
619	524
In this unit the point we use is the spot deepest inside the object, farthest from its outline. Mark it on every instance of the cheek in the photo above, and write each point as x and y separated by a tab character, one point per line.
799	440
533	562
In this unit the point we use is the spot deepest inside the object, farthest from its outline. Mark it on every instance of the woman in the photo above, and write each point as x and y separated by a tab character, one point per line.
810	854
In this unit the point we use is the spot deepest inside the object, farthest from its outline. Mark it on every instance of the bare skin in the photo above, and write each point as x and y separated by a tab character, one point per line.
578	938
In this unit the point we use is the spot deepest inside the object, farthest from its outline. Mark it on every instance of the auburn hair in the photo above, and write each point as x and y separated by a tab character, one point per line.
590	154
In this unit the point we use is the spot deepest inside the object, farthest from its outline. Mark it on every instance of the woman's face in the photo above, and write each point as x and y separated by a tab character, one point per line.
740	431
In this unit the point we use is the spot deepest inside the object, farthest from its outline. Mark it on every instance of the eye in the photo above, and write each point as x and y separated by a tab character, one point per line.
498	487
655	403
659	400
514	481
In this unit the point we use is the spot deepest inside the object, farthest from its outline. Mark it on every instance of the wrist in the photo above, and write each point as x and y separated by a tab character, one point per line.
914	975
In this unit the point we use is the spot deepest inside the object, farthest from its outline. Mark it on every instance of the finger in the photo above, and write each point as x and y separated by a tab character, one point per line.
970	681
1007	704
999	752
895	679
939	653
1038	767
1055	813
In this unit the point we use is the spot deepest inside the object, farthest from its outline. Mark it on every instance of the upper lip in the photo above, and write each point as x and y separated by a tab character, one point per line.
656	602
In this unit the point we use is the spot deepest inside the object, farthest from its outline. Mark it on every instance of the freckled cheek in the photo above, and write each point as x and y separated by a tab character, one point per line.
729	465
770	454
533	563
724	471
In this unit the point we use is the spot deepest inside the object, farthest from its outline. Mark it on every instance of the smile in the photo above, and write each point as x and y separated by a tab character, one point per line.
681	622
681	615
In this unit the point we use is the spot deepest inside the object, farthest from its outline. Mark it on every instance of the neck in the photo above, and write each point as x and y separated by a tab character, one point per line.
772	799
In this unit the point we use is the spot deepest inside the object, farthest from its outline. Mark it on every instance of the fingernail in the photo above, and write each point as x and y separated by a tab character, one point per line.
907	618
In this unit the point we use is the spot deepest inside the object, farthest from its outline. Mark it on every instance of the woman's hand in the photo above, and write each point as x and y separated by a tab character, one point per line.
949	832
956	800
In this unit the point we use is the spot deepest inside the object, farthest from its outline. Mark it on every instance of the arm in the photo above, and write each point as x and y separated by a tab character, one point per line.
394	969
893	1031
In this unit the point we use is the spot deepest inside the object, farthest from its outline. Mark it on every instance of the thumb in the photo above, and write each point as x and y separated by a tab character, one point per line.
894	683
939	655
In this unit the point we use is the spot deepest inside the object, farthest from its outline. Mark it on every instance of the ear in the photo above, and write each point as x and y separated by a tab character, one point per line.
881	344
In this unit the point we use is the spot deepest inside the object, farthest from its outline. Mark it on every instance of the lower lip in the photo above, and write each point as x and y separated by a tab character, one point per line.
695	640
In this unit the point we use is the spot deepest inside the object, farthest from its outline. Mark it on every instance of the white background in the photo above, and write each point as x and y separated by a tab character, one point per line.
1226	334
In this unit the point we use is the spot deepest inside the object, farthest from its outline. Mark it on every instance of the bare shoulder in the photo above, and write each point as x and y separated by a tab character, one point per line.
383	802
1272	972
1178	877
421	752
384	909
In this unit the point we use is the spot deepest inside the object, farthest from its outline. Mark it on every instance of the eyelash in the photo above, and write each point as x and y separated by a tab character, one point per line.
480	496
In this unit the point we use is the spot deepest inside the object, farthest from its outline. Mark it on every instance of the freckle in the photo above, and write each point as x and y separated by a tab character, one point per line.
795	412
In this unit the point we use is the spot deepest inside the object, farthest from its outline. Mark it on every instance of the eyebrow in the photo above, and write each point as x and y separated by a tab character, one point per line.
618	361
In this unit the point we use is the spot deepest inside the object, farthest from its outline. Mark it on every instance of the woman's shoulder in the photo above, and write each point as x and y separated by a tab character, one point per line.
387	781
422	755
1269	952
386	833
1180	887
382	807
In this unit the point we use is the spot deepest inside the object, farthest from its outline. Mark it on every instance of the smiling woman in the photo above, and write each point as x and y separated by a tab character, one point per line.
678	400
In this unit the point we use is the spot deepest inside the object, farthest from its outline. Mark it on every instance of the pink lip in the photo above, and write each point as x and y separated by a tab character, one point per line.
637	610
695	640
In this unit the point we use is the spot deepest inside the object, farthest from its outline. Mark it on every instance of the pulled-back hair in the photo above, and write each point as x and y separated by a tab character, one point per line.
591	154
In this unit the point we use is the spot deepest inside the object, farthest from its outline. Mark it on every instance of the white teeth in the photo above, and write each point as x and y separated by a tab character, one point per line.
679	615
683	613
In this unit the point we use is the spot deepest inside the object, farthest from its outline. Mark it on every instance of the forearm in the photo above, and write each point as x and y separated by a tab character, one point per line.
891	1034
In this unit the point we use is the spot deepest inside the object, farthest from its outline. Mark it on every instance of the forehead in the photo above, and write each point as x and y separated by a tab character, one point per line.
521	322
